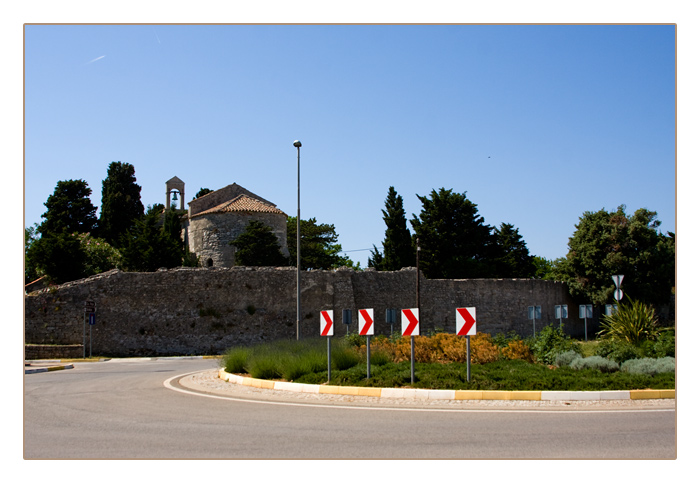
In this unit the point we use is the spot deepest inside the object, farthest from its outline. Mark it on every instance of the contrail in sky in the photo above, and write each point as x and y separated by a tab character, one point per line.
95	60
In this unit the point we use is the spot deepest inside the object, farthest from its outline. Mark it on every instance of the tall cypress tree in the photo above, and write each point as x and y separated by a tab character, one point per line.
398	252
69	209
455	242
121	202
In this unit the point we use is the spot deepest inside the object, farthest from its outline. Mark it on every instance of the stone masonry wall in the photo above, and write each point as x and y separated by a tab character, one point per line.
187	311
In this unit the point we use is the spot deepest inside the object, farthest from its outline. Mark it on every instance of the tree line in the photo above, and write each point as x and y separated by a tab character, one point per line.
454	239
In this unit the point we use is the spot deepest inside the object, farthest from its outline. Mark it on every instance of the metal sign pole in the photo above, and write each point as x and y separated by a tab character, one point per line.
469	360
328	340
413	358
368	357
84	311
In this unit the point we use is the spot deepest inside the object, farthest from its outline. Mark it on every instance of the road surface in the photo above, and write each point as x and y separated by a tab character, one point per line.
136	409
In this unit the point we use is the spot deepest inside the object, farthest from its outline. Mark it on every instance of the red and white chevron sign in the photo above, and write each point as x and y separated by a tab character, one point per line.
466	321
366	321
409	322
327	322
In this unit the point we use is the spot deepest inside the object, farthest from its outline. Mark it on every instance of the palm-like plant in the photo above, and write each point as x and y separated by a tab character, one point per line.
633	322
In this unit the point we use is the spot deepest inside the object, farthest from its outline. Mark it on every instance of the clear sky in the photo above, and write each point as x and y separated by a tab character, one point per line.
536	123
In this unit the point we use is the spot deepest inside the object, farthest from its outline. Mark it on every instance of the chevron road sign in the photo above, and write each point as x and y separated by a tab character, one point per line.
409	322
327	323
466	321
366	321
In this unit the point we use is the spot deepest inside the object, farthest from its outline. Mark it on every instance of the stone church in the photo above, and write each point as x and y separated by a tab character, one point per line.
217	218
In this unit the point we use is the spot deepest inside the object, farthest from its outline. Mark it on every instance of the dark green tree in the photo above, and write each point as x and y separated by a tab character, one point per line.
59	256
613	243
513	258
319	245
146	246
454	241
258	246
543	268
121	202
398	251
201	192
69	208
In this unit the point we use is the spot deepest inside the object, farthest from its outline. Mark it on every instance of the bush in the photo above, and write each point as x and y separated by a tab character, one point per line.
632	322
618	351
549	342
663	346
595	362
307	363
649	366
235	360
482	348
344	357
517	349
565	359
265	367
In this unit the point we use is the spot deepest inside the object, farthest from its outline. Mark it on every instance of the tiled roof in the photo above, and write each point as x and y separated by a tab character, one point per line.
242	203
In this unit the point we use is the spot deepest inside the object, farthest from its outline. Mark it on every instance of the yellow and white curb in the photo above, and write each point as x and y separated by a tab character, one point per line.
450	394
48	369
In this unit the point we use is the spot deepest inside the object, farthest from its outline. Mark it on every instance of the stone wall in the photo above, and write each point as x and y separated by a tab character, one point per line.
205	311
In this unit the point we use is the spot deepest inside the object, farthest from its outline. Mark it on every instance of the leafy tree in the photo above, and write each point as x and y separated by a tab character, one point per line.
69	208
319	245
100	256
202	192
398	251
454	241
121	202
610	243
30	269
543	268
513	259
258	246
59	256
147	246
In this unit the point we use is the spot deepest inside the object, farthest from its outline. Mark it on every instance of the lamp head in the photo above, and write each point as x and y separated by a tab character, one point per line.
297	144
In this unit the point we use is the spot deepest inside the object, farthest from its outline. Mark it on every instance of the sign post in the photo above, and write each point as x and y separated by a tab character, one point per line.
89	309
585	312
561	312
617	280
534	312
391	318
410	326
347	320
466	326
366	321
91	317
327	332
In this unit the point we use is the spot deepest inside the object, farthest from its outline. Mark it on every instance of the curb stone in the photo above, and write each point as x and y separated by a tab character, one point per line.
451	394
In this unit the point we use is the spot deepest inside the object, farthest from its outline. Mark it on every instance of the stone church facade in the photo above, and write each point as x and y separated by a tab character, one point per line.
217	218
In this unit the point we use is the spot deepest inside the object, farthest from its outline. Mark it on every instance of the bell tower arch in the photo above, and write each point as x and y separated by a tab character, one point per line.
176	185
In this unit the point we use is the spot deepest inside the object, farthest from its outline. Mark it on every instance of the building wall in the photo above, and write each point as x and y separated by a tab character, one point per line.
194	311
209	235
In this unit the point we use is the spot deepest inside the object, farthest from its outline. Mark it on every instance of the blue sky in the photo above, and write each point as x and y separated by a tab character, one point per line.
536	123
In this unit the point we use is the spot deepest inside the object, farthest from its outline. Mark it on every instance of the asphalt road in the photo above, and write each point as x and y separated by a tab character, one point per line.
123	410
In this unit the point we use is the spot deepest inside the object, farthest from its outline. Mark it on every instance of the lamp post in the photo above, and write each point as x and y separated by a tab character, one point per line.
297	144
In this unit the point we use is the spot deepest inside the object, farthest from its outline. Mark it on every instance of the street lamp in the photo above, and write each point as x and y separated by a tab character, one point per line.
297	144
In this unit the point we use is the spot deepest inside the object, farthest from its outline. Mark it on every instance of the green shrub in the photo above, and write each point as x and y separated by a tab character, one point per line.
565	359
595	362
265	367
649	366
549	342
618	350
379	357
355	340
633	322
307	363
663	346
344	358
235	360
